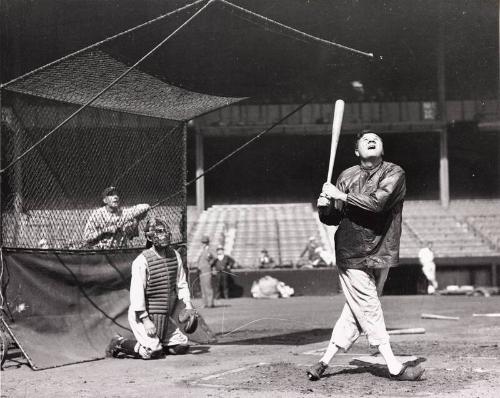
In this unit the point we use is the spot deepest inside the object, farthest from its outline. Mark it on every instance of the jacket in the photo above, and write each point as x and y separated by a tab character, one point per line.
225	264
369	222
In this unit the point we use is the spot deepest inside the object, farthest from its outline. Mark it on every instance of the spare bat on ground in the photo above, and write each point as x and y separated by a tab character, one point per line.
444	317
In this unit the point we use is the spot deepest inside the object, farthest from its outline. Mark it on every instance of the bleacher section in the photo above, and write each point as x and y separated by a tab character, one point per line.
468	228
454	232
282	229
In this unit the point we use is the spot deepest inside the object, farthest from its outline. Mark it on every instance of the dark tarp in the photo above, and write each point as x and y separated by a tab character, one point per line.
66	306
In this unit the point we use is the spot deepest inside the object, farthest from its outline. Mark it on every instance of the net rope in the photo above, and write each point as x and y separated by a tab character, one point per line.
93	119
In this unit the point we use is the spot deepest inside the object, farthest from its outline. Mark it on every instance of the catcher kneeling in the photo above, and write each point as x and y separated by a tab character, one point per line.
158	281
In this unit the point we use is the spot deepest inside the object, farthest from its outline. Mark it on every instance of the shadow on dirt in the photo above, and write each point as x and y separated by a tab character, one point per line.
378	370
295	338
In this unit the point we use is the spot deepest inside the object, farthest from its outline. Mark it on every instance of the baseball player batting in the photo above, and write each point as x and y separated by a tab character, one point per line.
366	204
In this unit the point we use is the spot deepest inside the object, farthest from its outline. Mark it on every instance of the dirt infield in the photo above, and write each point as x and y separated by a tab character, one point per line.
265	346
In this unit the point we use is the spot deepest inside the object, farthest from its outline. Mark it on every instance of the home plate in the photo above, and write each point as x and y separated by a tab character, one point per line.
379	360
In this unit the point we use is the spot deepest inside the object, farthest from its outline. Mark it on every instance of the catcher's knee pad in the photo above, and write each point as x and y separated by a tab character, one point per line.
179	349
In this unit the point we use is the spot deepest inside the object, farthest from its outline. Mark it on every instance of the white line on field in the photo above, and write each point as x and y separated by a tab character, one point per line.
231	371
209	385
321	351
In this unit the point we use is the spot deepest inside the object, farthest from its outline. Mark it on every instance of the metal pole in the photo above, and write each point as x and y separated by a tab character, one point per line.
444	180
200	182
184	181
498	99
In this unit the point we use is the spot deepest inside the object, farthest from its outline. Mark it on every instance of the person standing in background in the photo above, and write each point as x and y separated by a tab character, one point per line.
205	264
223	264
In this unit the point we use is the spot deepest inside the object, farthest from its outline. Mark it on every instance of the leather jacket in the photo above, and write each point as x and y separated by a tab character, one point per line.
369	223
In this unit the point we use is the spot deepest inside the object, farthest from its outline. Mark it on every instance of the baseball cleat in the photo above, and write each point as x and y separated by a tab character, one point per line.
316	371
113	347
409	373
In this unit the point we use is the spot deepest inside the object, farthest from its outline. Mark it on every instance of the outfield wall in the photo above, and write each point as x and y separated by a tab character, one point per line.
405	279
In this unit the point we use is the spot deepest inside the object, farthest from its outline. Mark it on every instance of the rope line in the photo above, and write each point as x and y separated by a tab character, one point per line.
231	154
304	35
93	99
263	319
41	68
300	33
147	153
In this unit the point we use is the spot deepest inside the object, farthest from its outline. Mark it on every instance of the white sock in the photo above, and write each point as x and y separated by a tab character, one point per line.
392	362
331	350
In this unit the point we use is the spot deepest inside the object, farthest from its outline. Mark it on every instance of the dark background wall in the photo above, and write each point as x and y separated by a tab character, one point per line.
293	168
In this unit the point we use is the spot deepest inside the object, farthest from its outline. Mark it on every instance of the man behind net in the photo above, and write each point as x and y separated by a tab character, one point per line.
111	226
158	281
366	204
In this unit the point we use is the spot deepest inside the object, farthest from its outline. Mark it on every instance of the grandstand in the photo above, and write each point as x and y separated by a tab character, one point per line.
244	230
468	228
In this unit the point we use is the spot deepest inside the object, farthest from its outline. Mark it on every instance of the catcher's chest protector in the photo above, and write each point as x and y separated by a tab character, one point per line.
161	283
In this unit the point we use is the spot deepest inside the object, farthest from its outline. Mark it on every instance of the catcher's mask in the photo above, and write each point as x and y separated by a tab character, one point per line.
157	232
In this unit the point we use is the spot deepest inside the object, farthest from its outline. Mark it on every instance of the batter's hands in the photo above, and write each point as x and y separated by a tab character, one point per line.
332	192
323	201
149	326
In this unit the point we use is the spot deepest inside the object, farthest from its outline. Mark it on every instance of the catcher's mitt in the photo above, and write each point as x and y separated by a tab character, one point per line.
188	320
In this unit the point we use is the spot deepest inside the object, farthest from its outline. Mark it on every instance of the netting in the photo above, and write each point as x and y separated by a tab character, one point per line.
51	192
112	114
92	121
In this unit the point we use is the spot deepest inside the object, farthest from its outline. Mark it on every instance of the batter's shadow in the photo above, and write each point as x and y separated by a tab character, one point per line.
377	370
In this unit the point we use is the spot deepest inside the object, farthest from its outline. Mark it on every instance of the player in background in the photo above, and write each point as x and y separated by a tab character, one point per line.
111	226
205	265
366	204
426	258
223	263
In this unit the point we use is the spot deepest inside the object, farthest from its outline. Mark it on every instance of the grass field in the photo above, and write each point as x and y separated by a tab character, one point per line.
264	347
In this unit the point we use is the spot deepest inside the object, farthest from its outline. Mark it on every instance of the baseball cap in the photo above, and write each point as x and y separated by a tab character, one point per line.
205	239
109	191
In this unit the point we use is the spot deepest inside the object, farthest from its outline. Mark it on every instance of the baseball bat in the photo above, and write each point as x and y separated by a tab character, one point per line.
407	331
338	114
434	316
491	315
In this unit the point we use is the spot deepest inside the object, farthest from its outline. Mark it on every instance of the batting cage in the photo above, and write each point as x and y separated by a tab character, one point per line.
112	114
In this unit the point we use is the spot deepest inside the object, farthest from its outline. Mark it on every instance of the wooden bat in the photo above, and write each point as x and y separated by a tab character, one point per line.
407	331
491	315
434	316
338	114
